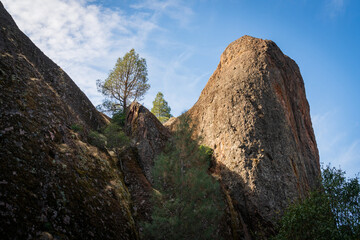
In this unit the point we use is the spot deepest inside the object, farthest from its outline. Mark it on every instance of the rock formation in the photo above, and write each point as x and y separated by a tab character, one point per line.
253	112
148	133
53	183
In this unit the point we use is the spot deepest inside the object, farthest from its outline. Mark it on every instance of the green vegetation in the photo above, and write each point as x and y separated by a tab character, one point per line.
161	108
330	213
119	118
97	139
187	203
208	152
126	82
77	128
115	136
112	137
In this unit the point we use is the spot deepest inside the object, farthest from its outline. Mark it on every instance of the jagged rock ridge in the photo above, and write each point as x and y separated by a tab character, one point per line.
149	138
148	133
53	183
254	113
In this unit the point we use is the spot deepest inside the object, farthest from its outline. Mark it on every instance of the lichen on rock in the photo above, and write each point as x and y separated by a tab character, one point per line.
54	184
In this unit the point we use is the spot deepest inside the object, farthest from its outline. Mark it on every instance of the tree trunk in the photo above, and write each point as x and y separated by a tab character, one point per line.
125	112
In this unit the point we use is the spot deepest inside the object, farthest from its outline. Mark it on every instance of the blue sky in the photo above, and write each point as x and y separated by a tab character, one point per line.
182	42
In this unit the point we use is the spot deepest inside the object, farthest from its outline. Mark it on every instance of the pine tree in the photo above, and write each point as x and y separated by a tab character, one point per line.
188	203
126	82
161	108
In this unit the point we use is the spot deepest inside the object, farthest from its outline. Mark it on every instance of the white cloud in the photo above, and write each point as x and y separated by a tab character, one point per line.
336	146
174	9
86	39
335	7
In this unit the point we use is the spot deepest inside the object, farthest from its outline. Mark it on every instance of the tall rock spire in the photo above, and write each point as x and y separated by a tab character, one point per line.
254	113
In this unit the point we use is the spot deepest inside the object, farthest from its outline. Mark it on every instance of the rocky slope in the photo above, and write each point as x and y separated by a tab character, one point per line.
254	113
53	183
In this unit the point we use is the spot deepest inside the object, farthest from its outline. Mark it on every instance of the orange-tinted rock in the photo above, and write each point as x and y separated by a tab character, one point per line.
254	113
171	124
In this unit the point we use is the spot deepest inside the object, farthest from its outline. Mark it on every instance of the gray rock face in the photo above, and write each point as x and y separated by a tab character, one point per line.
54	184
149	133
254	113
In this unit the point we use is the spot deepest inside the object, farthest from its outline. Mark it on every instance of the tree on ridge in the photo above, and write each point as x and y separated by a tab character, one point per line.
161	108
126	82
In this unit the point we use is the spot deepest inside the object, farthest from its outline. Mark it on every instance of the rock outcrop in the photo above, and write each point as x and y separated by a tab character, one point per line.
53	183
254	113
148	133
171	124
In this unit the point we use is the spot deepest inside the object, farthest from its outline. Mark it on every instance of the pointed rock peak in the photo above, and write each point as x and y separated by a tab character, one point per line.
254	113
5	17
148	132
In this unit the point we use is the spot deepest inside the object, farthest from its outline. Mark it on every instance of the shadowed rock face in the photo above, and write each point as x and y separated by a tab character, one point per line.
149	134
53	183
253	112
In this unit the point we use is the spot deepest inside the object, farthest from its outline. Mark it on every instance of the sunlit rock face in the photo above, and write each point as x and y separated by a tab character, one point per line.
254	113
54	184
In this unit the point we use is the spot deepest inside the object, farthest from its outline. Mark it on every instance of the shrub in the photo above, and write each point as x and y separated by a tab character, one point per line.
119	118
116	137
332	212
77	127
188	203
97	139
207	152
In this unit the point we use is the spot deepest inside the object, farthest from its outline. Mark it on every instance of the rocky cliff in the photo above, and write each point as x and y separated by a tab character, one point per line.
54	184
149	138
254	113
149	134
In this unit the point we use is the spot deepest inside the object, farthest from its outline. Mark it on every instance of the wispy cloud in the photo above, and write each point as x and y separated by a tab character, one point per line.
335	144
85	39
173	9
334	7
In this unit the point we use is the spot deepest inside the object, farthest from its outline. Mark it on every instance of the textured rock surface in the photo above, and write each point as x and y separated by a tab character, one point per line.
253	112
171	124
148	132
139	187
53	183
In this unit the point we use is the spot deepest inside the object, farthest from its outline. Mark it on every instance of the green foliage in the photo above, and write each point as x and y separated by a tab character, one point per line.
188	203
116	138
77	127
126	82
206	151
330	213
119	118
308	219
344	198
161	108
112	137
97	139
